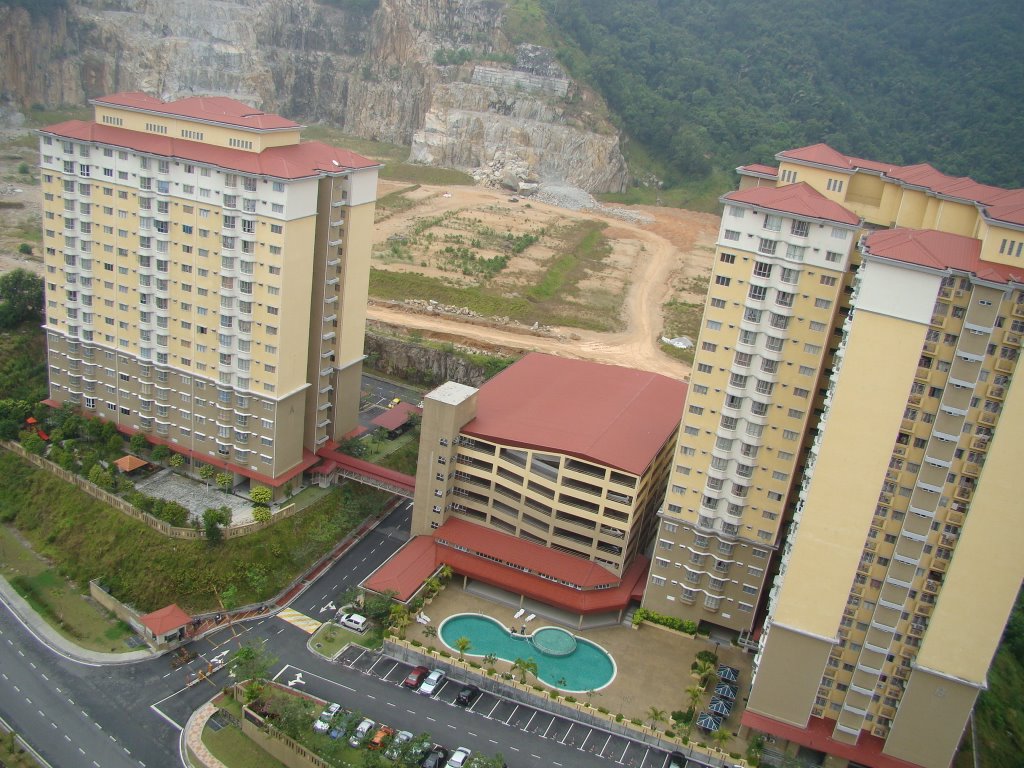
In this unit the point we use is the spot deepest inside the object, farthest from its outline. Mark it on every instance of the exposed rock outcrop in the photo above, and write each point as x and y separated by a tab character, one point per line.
369	69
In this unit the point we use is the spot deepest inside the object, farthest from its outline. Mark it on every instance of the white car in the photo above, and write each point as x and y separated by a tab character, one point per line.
352	621
391	753
459	758
361	732
433	683
323	723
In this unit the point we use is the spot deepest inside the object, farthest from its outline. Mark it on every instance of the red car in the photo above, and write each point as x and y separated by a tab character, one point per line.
415	677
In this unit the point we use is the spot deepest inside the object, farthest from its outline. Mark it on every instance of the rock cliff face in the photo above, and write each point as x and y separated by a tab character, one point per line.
424	365
367	68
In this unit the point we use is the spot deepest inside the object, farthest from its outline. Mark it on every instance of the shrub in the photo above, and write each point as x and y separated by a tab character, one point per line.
635	721
709	656
552	694
602	710
416	643
680	625
670	734
570	699
618	718
25	249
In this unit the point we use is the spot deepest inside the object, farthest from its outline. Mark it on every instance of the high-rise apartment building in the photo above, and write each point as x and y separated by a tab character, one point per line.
781	267
206	278
902	559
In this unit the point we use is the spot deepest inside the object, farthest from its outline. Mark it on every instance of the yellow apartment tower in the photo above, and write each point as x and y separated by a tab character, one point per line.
206	279
901	561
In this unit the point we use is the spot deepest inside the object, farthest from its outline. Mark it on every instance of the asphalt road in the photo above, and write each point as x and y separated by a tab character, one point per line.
67	712
132	715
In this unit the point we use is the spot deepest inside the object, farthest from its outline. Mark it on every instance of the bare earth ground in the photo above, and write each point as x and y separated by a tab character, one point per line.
648	263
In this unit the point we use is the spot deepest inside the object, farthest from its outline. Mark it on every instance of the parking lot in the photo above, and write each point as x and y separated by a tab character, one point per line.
614	748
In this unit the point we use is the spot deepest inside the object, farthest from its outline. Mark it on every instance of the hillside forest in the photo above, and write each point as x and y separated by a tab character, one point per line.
707	85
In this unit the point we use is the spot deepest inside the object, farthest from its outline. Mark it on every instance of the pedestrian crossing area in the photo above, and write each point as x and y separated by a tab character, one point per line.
300	620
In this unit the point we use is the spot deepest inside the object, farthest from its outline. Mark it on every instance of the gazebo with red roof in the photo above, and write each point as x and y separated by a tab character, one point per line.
167	624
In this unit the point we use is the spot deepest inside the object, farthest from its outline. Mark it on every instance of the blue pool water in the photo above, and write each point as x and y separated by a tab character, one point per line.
588	668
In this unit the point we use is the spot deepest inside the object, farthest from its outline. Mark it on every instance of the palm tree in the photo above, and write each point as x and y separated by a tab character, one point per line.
702	670
525	667
656	716
489	660
721	737
400	620
446	573
696	693
462	645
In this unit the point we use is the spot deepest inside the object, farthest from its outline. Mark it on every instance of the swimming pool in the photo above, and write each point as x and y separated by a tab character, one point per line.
586	667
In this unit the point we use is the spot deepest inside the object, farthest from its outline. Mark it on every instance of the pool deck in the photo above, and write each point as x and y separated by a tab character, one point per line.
653	665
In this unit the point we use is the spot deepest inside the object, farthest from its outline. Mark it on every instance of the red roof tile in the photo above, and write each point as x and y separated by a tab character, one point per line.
1002	204
405	571
800	199
818	735
165	620
295	161
760	169
938	250
395	417
536	558
611	415
211	109
383	474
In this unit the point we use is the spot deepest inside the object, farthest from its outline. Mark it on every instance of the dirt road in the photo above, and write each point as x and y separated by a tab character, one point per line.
676	246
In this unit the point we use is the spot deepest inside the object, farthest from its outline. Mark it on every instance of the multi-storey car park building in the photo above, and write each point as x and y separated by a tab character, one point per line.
545	481
206	278
902	562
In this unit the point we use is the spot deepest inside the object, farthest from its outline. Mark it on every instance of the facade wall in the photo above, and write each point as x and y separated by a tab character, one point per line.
179	297
776	292
571	505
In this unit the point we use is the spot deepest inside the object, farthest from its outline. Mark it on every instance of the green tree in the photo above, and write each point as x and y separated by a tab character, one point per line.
213	519
656	716
176	461
524	667
252	662
207	472
702	670
430	631
25	249
260	494
378	607
32	442
161	454
21	298
138	443
446	573
721	737
225	480
292	714
261	513
463	644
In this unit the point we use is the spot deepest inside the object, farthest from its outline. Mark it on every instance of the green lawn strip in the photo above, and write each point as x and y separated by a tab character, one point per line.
329	639
236	750
403	458
999	719
63	607
143	568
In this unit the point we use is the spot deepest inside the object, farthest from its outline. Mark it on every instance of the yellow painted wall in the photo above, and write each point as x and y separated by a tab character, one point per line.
987	567
866	413
355	277
934	706
294	304
217	135
788	675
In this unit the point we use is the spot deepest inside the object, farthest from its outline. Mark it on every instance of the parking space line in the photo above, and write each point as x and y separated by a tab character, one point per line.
525	727
567	733
516	709
496	704
606	743
548	728
623	755
585	739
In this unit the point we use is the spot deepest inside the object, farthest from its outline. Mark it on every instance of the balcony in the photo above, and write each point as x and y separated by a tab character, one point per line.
1011	338
1004	365
971	469
988	418
1018	310
932	587
923	374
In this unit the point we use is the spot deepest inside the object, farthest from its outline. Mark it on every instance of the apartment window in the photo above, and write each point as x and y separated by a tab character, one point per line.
276	229
731	234
812	349
822	303
767	247
722	280
800	228
728	258
789	434
833	256
834	185
816	326
707	346
718	303
828	280
757	292
772	222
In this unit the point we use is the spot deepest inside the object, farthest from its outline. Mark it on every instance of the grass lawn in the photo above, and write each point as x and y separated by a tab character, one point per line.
139	566
236	750
12	755
53	598
330	639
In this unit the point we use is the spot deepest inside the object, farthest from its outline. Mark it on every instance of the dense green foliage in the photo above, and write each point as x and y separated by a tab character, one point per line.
705	84
88	540
21	298
23	366
999	718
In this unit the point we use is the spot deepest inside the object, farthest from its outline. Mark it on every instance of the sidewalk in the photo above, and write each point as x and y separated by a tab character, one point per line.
55	641
192	735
